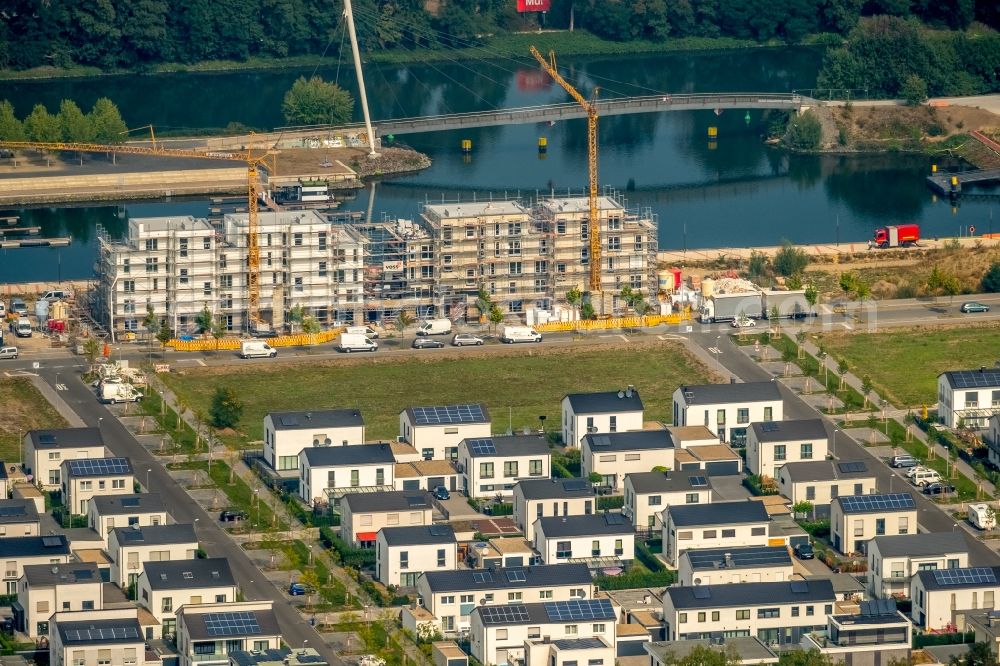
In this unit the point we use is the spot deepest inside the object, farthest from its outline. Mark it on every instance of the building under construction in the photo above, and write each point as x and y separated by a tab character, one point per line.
526	254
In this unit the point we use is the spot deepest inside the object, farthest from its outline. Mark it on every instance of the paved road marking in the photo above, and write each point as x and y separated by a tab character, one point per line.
670	336
61	387
21	373
622	336
715	350
847	326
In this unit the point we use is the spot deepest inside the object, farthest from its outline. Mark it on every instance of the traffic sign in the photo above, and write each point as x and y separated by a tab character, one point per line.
972	230
36	365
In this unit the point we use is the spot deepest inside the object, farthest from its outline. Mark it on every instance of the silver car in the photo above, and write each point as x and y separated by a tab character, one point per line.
463	339
8	352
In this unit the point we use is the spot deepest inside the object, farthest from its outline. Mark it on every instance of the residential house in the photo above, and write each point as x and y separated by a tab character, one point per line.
937	594
778	613
426	475
568	651
538	498
403	553
992	439
751	651
165	587
773	444
327	473
599	540
715	525
90	477
722	566
107	512
437	431
613	455
491	466
287	433
499	634
894	560
19	552
876	634
18	517
728	409
647	494
502	552
606	411
46	589
362	515
968	397
109	637
985	624
450	596
855	519
129	547
821	481
207	633
284	656
45	451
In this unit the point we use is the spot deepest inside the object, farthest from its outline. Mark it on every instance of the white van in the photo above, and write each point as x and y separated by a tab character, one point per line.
351	342
435	327
54	295
982	516
257	349
22	328
366	331
925	477
512	334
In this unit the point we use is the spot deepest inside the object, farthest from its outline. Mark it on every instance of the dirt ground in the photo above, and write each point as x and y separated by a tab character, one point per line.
900	127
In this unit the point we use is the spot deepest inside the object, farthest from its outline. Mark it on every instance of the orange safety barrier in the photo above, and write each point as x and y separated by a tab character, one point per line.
615	322
223	344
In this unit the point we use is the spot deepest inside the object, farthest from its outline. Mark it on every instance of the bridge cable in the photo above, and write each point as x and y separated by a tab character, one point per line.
340	54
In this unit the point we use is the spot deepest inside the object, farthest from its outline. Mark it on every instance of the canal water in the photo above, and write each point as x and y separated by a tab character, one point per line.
734	191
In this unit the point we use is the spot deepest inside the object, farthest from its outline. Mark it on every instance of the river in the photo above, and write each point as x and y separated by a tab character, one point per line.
732	192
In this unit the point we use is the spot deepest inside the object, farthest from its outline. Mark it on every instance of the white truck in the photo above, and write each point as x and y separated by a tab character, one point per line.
115	392
366	331
982	516
512	334
257	349
22	328
727	307
352	342
435	327
787	304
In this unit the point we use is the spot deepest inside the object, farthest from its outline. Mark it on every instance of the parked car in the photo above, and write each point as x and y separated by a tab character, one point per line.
442	493
18	306
974	306
744	322
462	339
298	589
427	343
232	516
804	551
8	352
938	489
925	478
917	469
3	309
905	460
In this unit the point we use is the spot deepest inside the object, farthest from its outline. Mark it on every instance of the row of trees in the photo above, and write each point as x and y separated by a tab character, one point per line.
103	124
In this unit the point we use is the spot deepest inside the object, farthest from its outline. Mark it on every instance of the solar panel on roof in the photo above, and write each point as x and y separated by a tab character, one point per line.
438	530
46	439
969	576
99	466
516	575
102	634
852	467
702	592
872	503
600	442
8	511
130	501
765	555
448	414
770	426
964	379
416	500
575	484
51	542
800	586
482	577
614	519
512	613
237	623
289	421
579	609
83	574
697	481
482	447
886	607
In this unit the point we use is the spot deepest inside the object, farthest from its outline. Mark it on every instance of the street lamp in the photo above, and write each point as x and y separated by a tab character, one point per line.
718	352
148	470
256	501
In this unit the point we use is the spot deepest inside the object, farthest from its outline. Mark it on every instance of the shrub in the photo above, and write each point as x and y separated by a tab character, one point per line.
636	576
804	131
914	90
227	408
789	261
610	502
991	280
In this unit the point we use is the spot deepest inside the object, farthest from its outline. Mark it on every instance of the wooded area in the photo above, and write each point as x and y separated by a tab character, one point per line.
137	34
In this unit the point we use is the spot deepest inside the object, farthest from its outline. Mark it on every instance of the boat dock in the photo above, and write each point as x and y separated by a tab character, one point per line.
20	230
34	242
952	184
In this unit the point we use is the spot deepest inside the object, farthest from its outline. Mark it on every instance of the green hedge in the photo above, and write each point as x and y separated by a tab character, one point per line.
636	576
957	638
559	470
645	555
610	502
349	556
816	528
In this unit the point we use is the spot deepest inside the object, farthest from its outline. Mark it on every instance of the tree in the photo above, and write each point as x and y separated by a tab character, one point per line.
811	295
703	655
595	478
758	264
786	357
227	408
310	325
152	325
218	329
310	580
204	320
872	426
483	302
789	260
164	335
403	321
811	657
496	316
316	102
941	282
91	350
106	122
297	313
804	131
842	368
73	124
990	282
866	388
803	507
42	126
587	311
914	90
848	282
574	296
800	339
11	129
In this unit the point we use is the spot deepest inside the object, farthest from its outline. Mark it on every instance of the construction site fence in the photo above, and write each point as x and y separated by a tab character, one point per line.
232	344
614	322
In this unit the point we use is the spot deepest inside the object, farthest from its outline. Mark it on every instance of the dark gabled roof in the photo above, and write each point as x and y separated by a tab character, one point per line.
18	511
718	394
606	402
100	632
788	431
545	575
189	574
198	623
827	470
635	440
966	577
507	446
585	525
751	594
73	573
666	482
153	535
464	414
390	500
65	438
718	513
34	546
745	557
919	545
337	456
973	379
83	468
555	488
418	535
321	418
118	505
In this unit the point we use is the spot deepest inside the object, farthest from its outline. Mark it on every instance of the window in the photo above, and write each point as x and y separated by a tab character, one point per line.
545	594
632	457
167	604
571	630
859	527
682	618
720	417
691	498
743	614
880	526
858	489
619	549
729	534
448	599
768	612
656	500
355	478
904	525
151	244
88	605
104	657
701	616
510	469
534	468
206	243
404	559
953	564
442	557
515	597
685	536
184	276
715	616
486	470
768	413
828	608
129	656
501	634
590	424
806	451
709	534
564	550
206	288
128	286
810	493
614	243
758	531
743	415
118	483
795	611
613	424
514	267
322	269
779	452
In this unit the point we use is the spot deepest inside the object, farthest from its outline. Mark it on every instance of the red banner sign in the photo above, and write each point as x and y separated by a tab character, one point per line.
532	80
533	5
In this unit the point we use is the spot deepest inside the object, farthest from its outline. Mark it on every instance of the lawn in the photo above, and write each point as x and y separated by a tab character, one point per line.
240	495
517	387
904	365
24	408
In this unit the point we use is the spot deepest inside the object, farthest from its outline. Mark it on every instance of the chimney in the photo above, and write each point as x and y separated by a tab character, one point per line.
732	380
982	368
729	560
630	390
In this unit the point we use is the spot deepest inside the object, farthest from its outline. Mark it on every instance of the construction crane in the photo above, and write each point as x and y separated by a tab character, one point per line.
246	155
590	107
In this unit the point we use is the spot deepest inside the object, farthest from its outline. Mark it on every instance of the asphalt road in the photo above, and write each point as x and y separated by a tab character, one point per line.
184	509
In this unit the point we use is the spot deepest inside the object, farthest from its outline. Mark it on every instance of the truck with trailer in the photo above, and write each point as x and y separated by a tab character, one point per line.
896	235
727	307
786	304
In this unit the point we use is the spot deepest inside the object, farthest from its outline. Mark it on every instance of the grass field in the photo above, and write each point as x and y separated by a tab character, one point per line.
23	409
904	365
527	382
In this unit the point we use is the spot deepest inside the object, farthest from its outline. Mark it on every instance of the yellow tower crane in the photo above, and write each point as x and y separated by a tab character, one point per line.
591	109
246	155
